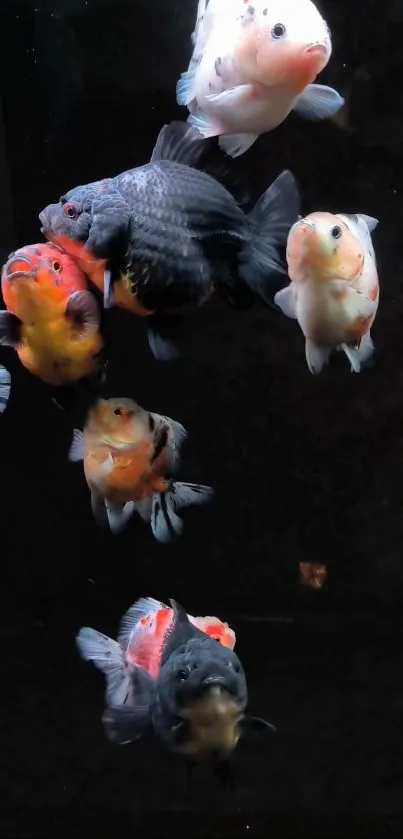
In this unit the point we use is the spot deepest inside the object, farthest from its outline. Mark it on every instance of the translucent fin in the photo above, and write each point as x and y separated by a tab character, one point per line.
237	144
318	102
161	345
108	290
165	523
142	608
5	387
76	451
179	143
284	299
107	656
316	357
10	327
128	723
119	515
202	123
185	88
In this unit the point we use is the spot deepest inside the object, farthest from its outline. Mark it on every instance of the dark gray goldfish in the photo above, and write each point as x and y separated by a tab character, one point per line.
168	678
160	239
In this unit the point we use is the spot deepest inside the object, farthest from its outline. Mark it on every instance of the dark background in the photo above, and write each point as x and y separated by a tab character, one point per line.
305	468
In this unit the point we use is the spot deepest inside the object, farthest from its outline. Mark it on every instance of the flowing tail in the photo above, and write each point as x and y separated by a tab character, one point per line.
271	220
107	655
161	511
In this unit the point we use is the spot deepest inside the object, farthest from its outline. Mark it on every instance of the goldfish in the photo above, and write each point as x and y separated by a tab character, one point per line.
52	319
168	678
165	236
334	289
252	64
5	388
129	456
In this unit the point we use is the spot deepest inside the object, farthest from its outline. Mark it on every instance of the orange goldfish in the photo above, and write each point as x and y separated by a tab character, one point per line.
129	457
334	289
52	320
252	64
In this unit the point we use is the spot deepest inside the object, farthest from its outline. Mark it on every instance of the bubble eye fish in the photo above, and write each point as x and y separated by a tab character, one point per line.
129	457
160	239
252	64
166	677
334	289
52	319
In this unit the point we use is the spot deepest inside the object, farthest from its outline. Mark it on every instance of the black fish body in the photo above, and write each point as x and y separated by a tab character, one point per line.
164	236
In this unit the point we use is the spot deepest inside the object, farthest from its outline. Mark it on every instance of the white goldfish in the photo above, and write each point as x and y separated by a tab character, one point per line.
253	62
334	289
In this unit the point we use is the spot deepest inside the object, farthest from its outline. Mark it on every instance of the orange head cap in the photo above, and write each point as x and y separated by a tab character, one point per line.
321	247
42	272
119	422
286	42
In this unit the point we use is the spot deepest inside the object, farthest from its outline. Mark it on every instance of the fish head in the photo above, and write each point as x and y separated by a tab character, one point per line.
40	277
203	688
68	224
286	44
118	422
322	247
216	629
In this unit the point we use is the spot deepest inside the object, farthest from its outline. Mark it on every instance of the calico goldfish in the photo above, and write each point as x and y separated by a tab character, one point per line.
52	319
130	456
163	237
168	678
334	289
252	64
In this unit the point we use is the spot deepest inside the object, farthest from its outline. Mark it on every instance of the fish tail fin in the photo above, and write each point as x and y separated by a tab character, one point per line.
165	522
5	387
107	655
271	219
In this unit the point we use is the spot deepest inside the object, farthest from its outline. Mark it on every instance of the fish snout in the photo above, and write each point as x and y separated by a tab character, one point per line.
319	53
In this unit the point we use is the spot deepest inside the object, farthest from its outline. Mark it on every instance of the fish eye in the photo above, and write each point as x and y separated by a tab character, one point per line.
336	232
182	675
70	210
118	412
56	265
278	30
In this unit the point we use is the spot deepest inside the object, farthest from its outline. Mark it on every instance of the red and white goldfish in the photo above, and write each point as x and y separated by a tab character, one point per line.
334	289
165	676
129	457
140	638
52	320
252	64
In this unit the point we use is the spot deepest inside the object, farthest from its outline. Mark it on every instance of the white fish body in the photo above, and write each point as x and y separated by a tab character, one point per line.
325	307
232	96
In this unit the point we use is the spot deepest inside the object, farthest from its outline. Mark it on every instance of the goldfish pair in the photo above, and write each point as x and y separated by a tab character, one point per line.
52	319
334	289
253	62
130	456
174	677
160	239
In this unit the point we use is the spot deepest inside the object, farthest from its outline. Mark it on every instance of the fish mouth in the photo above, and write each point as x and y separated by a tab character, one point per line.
217	684
319	50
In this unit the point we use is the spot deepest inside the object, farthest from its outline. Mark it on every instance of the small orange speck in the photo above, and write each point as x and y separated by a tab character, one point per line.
312	574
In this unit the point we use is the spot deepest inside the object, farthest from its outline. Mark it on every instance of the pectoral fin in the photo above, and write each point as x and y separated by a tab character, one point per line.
318	102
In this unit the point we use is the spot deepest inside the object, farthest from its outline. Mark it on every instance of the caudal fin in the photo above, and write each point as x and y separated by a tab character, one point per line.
107	655
165	522
271	219
5	387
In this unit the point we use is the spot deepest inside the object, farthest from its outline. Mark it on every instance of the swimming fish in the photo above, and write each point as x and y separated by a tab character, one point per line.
165	236
252	64
52	319
334	289
167	678
130	456
5	387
